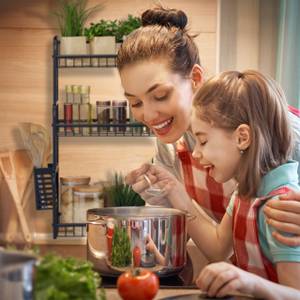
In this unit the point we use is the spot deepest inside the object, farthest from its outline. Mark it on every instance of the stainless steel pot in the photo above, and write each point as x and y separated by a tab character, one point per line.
16	275
119	238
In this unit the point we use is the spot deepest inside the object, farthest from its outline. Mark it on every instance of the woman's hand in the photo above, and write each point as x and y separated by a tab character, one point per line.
285	216
159	177
221	279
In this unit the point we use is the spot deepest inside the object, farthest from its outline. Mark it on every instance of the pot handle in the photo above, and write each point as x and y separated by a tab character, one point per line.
98	220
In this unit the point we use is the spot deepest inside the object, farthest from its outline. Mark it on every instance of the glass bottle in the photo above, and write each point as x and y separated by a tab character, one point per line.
68	109
119	115
75	104
103	114
85	109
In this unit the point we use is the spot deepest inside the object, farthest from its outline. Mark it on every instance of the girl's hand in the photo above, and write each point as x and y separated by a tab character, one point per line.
221	279
285	216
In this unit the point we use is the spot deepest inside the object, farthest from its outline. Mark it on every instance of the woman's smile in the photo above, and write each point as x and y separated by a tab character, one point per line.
163	127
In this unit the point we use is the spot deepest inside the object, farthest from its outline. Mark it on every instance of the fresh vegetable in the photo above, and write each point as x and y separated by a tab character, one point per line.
121	248
60	278
139	284
136	254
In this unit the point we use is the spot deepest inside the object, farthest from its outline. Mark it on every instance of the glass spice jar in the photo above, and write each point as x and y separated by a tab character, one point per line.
75	106
86	197
119	112
85	110
103	114
66	195
68	109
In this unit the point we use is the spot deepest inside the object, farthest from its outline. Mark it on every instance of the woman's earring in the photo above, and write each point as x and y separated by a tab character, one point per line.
242	152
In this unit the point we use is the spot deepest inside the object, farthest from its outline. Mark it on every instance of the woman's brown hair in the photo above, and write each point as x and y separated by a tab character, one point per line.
234	98
162	36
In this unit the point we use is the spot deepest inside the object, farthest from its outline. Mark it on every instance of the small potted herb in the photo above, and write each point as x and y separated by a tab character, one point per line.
101	36
72	16
126	26
117	193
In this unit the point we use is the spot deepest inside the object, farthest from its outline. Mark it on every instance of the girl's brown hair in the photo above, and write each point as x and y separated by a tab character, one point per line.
162	36
234	98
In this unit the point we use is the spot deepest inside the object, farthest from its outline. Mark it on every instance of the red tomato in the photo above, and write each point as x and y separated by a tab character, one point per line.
136	253
139	284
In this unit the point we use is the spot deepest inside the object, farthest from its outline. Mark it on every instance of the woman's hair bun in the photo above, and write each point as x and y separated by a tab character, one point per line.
164	17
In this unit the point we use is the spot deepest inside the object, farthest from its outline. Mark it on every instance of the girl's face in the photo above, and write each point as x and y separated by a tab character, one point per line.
216	149
158	98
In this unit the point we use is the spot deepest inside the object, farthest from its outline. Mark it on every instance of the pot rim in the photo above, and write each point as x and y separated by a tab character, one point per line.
136	211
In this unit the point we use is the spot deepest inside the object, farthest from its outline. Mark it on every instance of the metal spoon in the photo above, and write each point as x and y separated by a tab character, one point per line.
153	191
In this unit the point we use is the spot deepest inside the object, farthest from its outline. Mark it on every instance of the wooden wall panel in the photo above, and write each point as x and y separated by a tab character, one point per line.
26	32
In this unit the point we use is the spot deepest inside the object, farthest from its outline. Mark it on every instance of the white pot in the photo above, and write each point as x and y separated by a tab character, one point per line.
73	45
103	45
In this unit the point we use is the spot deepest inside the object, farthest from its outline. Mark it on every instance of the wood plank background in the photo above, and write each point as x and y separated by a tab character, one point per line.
27	29
231	35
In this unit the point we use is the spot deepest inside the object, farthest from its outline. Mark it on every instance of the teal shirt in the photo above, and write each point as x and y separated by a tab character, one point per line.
284	175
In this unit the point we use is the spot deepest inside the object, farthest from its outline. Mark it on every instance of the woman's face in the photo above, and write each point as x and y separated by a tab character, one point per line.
158	98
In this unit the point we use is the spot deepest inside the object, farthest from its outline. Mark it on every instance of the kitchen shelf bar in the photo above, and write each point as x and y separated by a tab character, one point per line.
47	178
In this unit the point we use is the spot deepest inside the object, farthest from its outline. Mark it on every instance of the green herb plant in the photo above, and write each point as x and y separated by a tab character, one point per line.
121	248
127	26
60	278
72	16
120	194
102	28
117	28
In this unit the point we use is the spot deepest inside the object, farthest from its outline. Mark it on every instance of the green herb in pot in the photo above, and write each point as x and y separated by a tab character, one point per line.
118	193
72	15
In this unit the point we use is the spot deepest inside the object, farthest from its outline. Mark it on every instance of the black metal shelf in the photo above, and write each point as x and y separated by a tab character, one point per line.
94	129
87	61
47	178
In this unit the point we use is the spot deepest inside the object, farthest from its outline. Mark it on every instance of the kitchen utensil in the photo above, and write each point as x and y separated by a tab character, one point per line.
7	167
153	191
23	164
36	140
162	229
16	275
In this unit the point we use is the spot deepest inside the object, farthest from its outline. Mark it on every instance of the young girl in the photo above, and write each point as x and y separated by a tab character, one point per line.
242	131
160	70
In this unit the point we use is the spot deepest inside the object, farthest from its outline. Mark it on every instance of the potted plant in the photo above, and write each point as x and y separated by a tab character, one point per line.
126	26
101	37
117	193
72	16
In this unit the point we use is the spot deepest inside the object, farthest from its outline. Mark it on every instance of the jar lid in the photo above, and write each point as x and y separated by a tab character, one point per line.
119	103
75	180
88	189
76	89
68	88
103	103
84	89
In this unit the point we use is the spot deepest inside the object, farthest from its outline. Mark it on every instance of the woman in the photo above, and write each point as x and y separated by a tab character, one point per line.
160	70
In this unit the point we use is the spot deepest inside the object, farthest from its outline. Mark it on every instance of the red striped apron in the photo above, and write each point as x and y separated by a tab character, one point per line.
200	186
247	251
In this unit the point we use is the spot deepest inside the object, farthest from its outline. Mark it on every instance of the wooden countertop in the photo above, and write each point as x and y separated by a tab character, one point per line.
112	294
